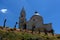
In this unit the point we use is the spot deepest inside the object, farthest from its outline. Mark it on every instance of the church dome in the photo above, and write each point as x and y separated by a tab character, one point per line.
36	18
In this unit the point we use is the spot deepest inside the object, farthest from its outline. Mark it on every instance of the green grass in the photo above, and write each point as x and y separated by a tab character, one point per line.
24	35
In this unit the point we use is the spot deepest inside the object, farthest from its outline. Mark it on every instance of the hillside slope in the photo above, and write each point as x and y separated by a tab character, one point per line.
13	35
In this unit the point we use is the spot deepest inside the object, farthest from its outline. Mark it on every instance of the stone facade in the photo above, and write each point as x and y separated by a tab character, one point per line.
36	21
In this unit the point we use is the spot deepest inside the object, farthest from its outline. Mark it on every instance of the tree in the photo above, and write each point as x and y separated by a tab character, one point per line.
4	22
24	26
33	28
39	31
15	25
52	31
45	31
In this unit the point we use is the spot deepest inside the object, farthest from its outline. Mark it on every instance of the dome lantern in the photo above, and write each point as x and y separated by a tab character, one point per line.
36	13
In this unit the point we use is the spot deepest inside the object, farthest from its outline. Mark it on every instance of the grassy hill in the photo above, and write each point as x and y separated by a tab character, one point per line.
19	35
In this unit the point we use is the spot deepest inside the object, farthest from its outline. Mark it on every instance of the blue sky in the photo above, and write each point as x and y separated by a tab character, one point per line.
48	9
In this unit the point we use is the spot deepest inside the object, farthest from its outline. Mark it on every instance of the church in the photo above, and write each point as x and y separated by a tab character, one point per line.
36	22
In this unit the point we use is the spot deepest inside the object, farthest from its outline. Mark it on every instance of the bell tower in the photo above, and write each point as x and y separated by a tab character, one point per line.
22	19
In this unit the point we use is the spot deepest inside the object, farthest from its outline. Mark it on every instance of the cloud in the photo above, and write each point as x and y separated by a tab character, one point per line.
3	10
